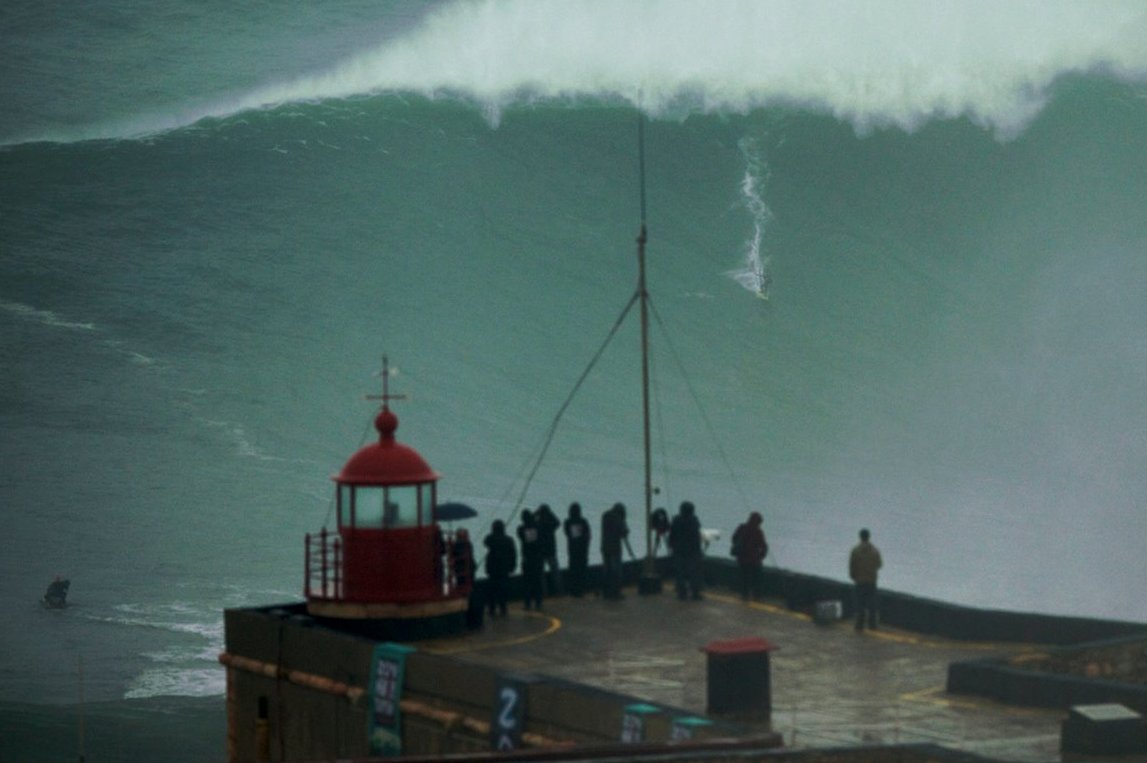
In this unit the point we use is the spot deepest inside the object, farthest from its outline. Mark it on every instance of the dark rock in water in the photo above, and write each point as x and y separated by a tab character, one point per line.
57	595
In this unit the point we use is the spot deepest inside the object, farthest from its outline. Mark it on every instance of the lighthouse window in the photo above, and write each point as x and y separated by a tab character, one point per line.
344	504
386	507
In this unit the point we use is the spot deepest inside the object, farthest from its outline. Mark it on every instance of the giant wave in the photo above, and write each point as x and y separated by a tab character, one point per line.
884	64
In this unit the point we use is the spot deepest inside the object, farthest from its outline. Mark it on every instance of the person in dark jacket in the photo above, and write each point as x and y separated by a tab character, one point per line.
577	546
685	546
750	548
614	535
530	539
548	526
462	560
501	560
659	520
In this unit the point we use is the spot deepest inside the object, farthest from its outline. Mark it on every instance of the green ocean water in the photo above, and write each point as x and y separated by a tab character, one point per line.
209	238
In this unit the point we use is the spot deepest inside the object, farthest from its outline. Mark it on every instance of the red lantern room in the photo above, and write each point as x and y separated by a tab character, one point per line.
389	562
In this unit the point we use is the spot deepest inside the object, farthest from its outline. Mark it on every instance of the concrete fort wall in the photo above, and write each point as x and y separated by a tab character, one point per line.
299	690
272	715
929	616
1089	661
1098	672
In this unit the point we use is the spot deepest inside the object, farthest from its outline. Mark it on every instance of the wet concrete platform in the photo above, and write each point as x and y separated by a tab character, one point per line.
831	686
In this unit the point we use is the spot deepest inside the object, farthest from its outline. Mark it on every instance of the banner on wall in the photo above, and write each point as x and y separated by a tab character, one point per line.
633	722
687	728
387	675
509	713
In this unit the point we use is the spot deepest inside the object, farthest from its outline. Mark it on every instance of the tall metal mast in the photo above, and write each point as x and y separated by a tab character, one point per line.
650	581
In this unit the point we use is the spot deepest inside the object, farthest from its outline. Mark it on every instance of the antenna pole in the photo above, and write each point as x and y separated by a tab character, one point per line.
650	581
80	708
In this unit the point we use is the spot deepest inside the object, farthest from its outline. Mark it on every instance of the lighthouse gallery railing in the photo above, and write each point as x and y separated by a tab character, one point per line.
448	574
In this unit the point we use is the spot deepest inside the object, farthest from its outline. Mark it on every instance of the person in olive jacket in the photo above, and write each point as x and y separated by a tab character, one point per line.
863	565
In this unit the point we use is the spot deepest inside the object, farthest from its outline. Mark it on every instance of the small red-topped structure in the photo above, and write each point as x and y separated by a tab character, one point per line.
389	562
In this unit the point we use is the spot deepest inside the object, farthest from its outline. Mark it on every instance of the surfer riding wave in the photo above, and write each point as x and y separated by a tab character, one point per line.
753	275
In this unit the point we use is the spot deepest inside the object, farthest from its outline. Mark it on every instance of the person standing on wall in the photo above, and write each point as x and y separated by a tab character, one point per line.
462	560
577	545
750	548
685	546
863	565
548	525
530	539
501	559
614	535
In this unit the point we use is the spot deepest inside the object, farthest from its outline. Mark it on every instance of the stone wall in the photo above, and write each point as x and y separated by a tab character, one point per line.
1094	673
298	689
929	616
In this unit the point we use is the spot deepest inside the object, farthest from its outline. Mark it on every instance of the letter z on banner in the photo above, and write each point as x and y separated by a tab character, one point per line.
509	714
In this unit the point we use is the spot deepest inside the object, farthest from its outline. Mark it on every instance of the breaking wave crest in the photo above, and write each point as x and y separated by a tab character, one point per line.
890	63
886	64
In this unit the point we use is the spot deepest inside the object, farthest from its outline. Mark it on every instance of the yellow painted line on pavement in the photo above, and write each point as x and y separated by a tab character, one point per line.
758	605
553	625
938	695
932	642
899	637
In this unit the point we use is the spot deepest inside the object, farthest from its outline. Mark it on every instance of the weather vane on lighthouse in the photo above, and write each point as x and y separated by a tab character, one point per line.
386	397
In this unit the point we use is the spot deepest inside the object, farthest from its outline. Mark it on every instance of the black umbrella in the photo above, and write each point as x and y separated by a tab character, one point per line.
452	512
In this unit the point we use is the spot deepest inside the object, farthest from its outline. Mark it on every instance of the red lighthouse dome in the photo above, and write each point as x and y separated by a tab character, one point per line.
386	462
389	562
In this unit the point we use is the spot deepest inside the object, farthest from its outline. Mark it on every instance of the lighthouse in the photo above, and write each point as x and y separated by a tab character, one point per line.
388	570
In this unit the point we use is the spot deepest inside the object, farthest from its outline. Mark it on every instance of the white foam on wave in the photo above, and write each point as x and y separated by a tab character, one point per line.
55	320
238	435
890	62
133	357
178	682
44	317
189	635
186	669
754	271
176	618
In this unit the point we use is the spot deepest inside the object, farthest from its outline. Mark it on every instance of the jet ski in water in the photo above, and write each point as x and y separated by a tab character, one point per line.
57	595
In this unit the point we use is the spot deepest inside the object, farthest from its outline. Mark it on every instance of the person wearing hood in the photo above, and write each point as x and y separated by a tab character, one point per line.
685	546
548	525
577	533
501	560
614	536
462	560
533	560
750	549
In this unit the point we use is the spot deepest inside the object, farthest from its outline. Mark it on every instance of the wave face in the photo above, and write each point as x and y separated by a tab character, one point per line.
893	63
193	306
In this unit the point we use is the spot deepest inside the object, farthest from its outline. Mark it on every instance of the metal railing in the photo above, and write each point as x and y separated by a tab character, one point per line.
324	566
324	576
